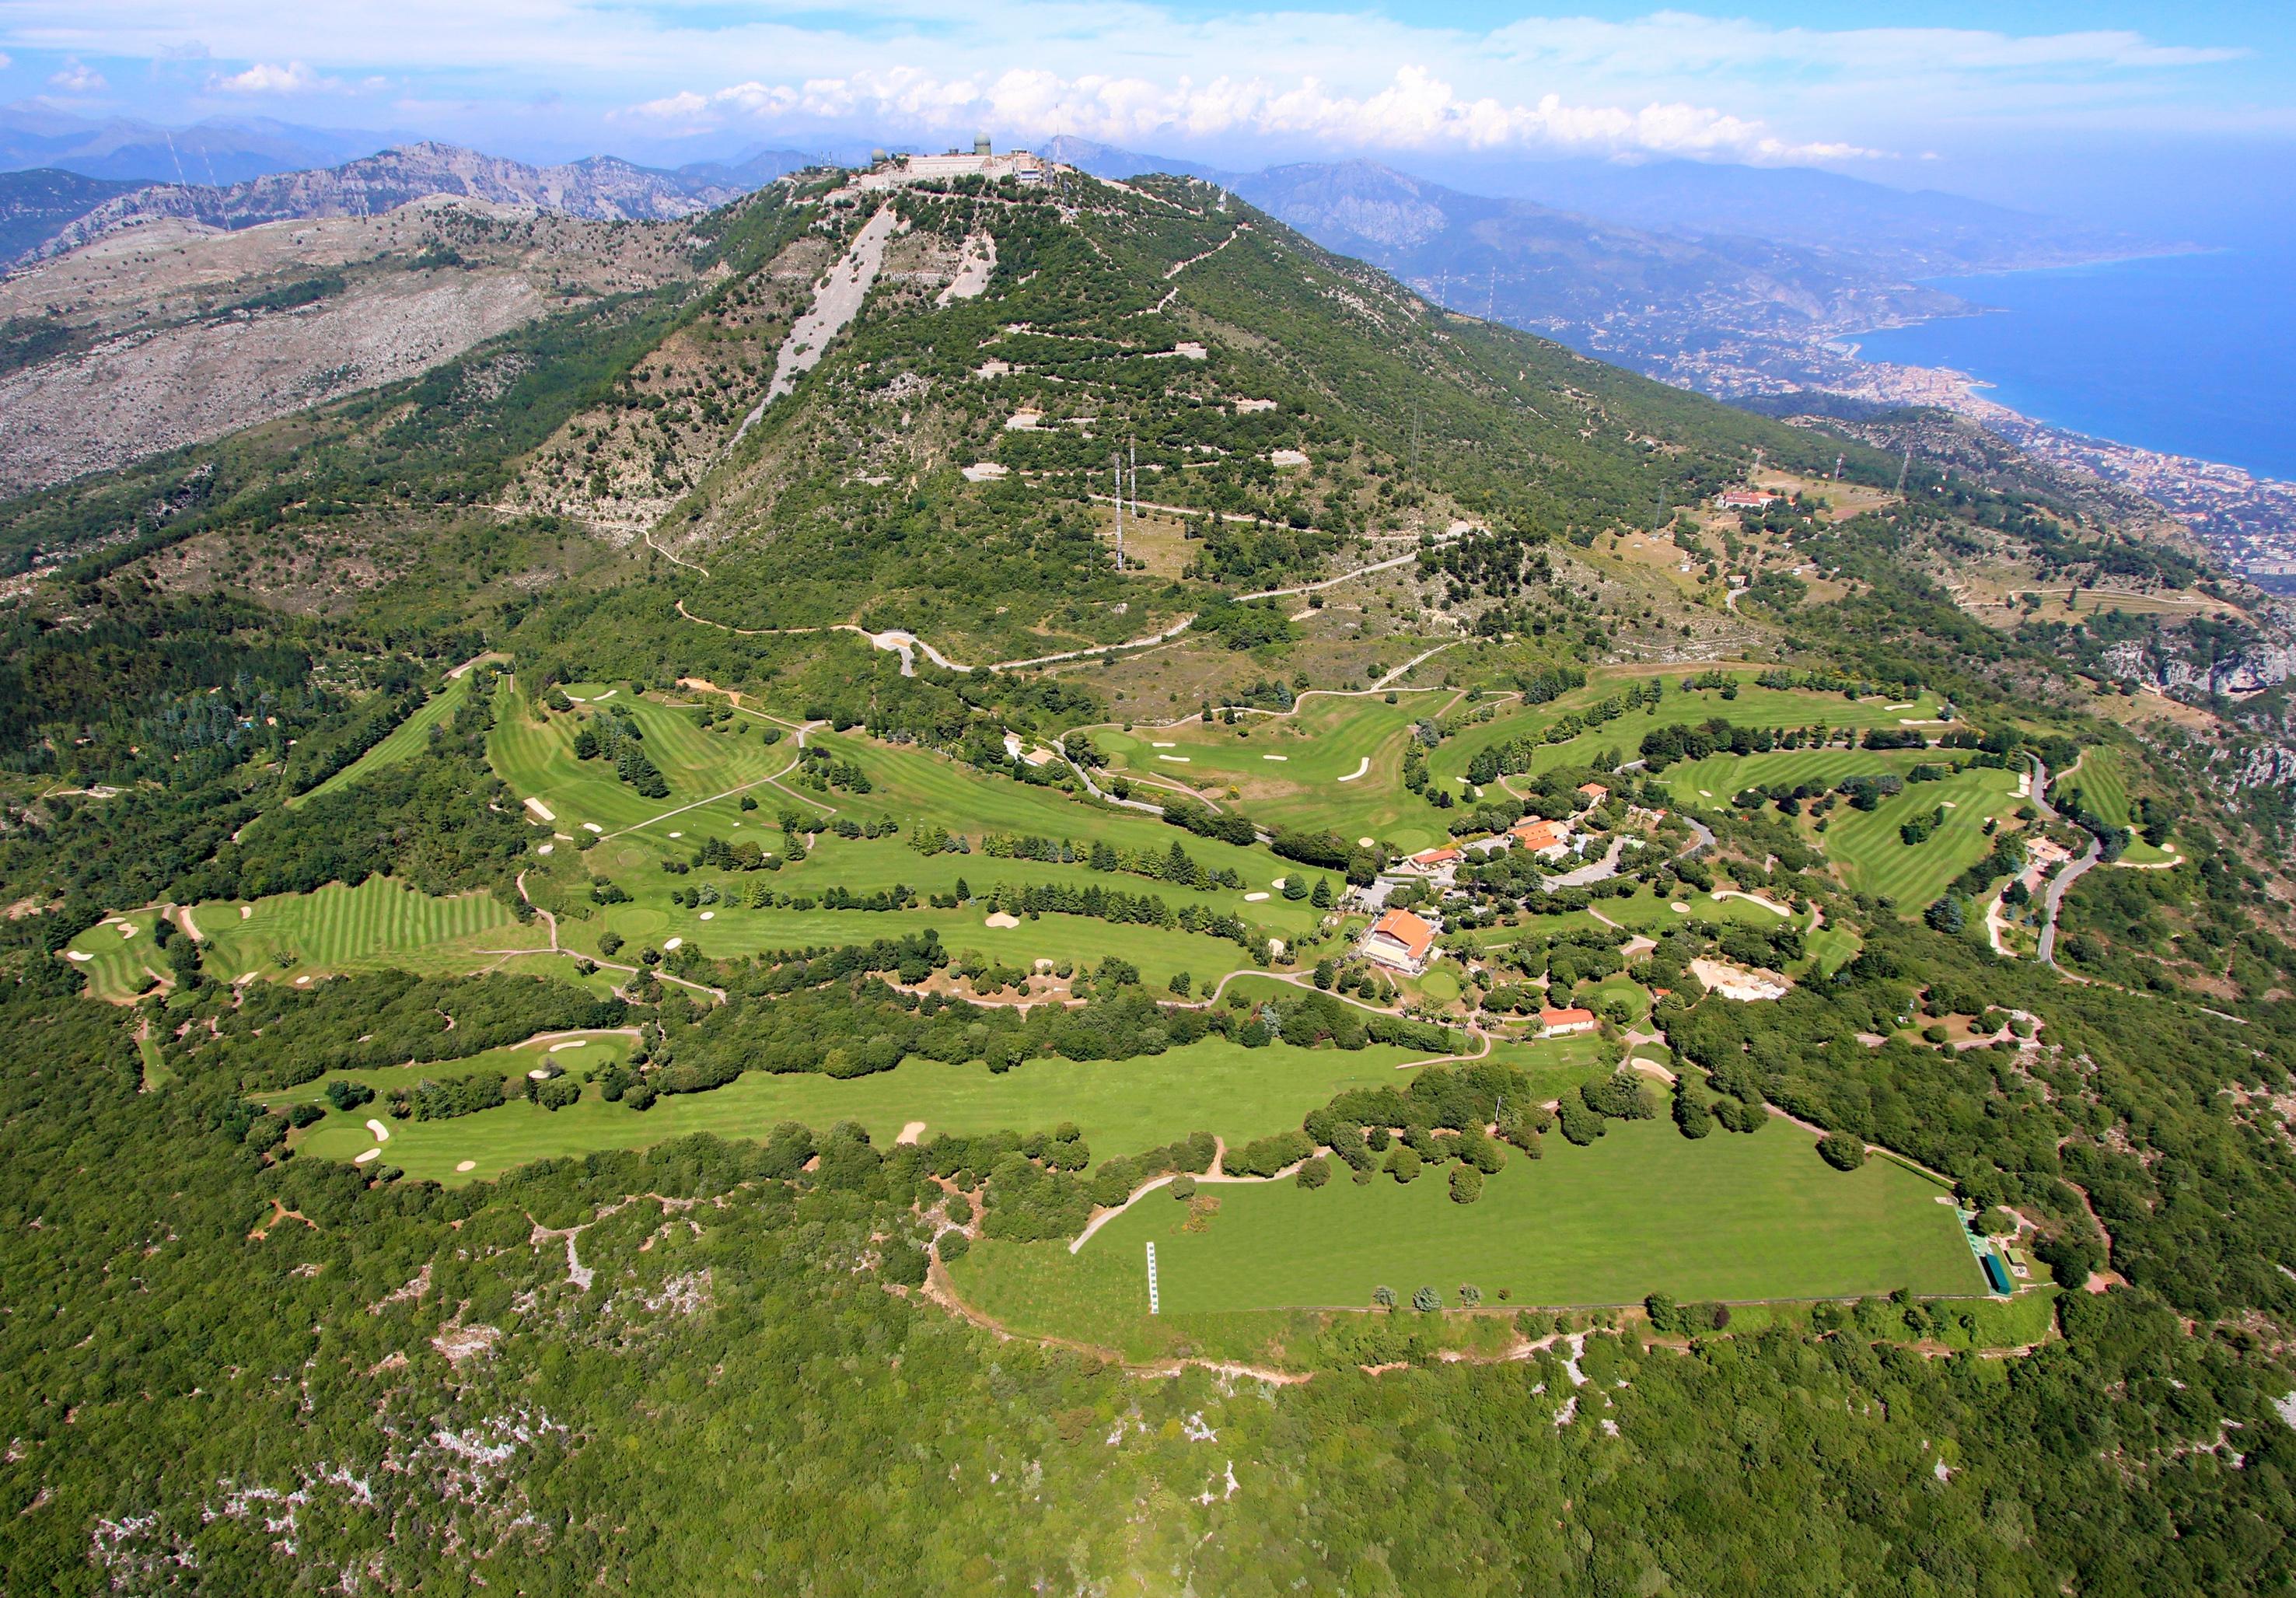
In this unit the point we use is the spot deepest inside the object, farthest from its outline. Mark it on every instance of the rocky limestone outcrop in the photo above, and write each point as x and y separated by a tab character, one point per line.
2250	671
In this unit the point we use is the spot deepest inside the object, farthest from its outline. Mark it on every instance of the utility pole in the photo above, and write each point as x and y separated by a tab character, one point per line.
1904	465
1117	466
1132	453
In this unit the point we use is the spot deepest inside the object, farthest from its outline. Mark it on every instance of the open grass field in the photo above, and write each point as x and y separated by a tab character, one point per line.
1123	1106
1301	768
379	924
910	787
1642	1210
1866	844
2101	784
1877	861
534	754
118	957
408	739
1159	951
1753	706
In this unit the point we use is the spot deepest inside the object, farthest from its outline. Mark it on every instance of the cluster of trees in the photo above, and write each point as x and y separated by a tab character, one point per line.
615	738
1174	864
273	1034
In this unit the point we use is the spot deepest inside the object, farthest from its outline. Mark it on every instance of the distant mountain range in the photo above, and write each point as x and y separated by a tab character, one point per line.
216	153
45	212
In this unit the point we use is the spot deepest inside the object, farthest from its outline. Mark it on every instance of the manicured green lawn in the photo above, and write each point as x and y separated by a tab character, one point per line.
117	964
1123	1106
1878	861
1643	1210
1753	706
2101	786
534	753
1301	769
408	739
1865	843
381	923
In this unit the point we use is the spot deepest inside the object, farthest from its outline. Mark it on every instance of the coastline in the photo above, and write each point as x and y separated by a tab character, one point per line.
2250	519
2248	516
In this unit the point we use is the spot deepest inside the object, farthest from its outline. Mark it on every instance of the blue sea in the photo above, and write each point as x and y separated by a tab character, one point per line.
2190	354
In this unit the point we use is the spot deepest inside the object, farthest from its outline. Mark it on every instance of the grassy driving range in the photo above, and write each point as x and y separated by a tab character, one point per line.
1642	1210
1123	1106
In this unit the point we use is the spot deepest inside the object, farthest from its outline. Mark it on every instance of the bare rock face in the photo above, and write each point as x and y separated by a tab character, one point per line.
600	189
2250	671
147	392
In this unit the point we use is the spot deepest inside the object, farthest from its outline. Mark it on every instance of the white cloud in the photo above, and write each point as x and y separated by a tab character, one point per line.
1668	80
264	78
73	78
1415	111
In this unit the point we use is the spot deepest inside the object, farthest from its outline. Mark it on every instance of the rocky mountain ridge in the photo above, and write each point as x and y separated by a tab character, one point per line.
601	188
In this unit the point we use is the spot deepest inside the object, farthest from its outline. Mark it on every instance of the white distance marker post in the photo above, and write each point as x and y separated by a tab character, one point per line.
1152	1309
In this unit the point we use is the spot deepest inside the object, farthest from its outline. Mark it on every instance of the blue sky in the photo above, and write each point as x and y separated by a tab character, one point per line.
2014	99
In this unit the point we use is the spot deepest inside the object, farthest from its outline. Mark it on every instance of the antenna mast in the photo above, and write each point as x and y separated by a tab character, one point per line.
1116	464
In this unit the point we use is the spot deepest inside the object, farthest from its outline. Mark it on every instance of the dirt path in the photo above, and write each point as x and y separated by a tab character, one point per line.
664	553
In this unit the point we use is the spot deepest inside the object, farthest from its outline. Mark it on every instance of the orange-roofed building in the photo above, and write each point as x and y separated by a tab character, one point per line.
1548	838
1434	862
1593	793
1401	941
1563	1023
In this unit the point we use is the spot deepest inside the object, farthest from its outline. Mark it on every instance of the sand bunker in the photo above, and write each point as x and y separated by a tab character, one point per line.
362	1159
575	1043
541	809
910	1132
709	916
540	1073
675	943
382	1133
1275	757
466	1165
592	826
1254	898
82	955
999	919
1174	759
1742	983
1358	771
